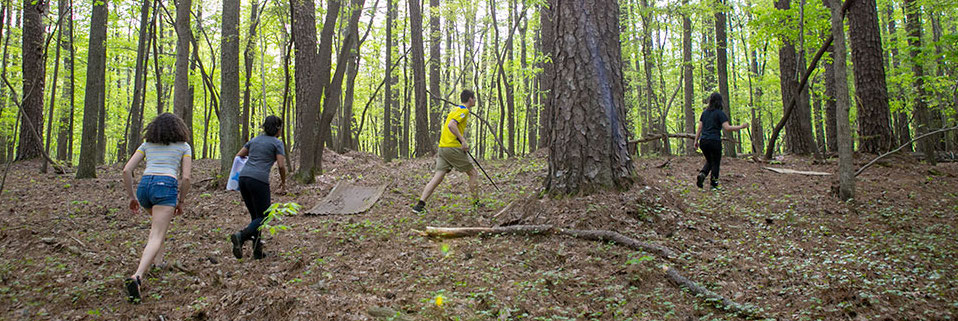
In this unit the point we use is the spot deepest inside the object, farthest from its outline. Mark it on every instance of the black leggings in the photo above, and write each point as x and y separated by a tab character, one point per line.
257	198
713	157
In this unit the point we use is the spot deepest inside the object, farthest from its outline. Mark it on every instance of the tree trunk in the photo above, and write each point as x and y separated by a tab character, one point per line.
424	142
157	32
64	139
435	123
182	94
922	118
53	90
34	69
758	132
798	129
139	80
509	86
708	45
229	92
248	56
334	90
589	149
389	102
307	84
902	127
689	86
874	123
819	128
721	46
546	47
95	89
846	177
831	137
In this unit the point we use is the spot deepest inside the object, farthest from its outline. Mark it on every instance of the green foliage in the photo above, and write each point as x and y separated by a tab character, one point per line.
275	213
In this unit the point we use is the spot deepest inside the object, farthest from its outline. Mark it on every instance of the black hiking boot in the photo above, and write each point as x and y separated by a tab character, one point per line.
419	208
133	289
700	179
258	250
715	186
237	241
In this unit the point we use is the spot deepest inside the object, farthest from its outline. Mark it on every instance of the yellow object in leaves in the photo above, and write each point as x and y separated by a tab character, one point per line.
439	301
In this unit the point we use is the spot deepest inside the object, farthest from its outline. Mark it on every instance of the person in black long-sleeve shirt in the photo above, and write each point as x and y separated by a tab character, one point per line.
709	138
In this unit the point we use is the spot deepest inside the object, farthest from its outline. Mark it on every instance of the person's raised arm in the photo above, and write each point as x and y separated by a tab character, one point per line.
729	127
454	128
128	179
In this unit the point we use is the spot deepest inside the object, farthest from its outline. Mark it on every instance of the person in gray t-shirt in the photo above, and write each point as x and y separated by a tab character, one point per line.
261	152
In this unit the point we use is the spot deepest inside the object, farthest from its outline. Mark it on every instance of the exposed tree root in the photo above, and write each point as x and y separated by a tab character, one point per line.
602	236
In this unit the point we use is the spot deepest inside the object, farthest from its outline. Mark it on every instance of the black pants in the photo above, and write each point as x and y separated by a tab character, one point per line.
257	198
713	158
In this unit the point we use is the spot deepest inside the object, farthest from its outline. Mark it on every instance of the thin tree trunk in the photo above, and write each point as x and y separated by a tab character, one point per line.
798	135
424	142
157	31
139	80
334	90
922	118
902	127
64	141
831	137
546	47
389	103
721	46
248	57
689	84
182	92
95	89
229	74
435	55
846	177
53	92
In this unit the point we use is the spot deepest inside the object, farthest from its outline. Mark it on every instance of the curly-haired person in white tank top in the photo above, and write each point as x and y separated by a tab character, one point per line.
162	189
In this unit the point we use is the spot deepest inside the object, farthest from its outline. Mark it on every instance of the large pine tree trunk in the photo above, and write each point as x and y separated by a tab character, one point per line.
920	107
846	176
95	96
588	148
874	121
182	94
424	142
721	47
66	96
34	69
434	73
798	127
689	86
229	92
307	84
389	101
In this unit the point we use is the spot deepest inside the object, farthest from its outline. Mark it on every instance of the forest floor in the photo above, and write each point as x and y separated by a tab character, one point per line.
781	243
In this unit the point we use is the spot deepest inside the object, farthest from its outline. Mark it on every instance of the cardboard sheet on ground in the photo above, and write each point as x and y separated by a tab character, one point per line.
792	171
346	198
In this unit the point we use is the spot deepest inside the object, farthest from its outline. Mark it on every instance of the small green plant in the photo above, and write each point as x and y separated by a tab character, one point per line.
276	212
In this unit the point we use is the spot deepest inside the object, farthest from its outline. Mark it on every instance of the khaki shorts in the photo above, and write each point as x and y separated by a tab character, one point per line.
452	157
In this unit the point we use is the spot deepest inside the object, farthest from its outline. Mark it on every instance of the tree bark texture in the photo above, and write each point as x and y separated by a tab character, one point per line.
424	141
588	140
871	93
182	94
229	93
798	127
248	56
846	178
134	136
66	96
435	36
95	89
307	84
920	107
689	86
721	47
389	101
34	69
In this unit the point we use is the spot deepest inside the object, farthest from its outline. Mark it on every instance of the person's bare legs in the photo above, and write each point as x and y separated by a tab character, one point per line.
431	187
474	184
162	215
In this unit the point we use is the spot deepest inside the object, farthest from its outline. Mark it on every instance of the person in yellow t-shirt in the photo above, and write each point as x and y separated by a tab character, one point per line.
452	151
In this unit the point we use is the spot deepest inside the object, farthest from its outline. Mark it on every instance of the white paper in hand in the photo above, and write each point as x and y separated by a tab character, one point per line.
233	183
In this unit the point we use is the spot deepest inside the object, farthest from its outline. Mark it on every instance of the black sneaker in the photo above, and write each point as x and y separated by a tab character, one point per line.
419	208
716	186
258	250
478	204
699	180
133	290
237	241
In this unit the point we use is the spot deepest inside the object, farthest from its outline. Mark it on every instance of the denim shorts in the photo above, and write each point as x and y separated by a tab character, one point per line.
157	190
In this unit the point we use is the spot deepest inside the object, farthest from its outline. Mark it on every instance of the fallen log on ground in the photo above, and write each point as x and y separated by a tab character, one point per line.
602	236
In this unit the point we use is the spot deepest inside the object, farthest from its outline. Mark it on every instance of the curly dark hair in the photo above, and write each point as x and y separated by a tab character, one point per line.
716	101
165	129
271	125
